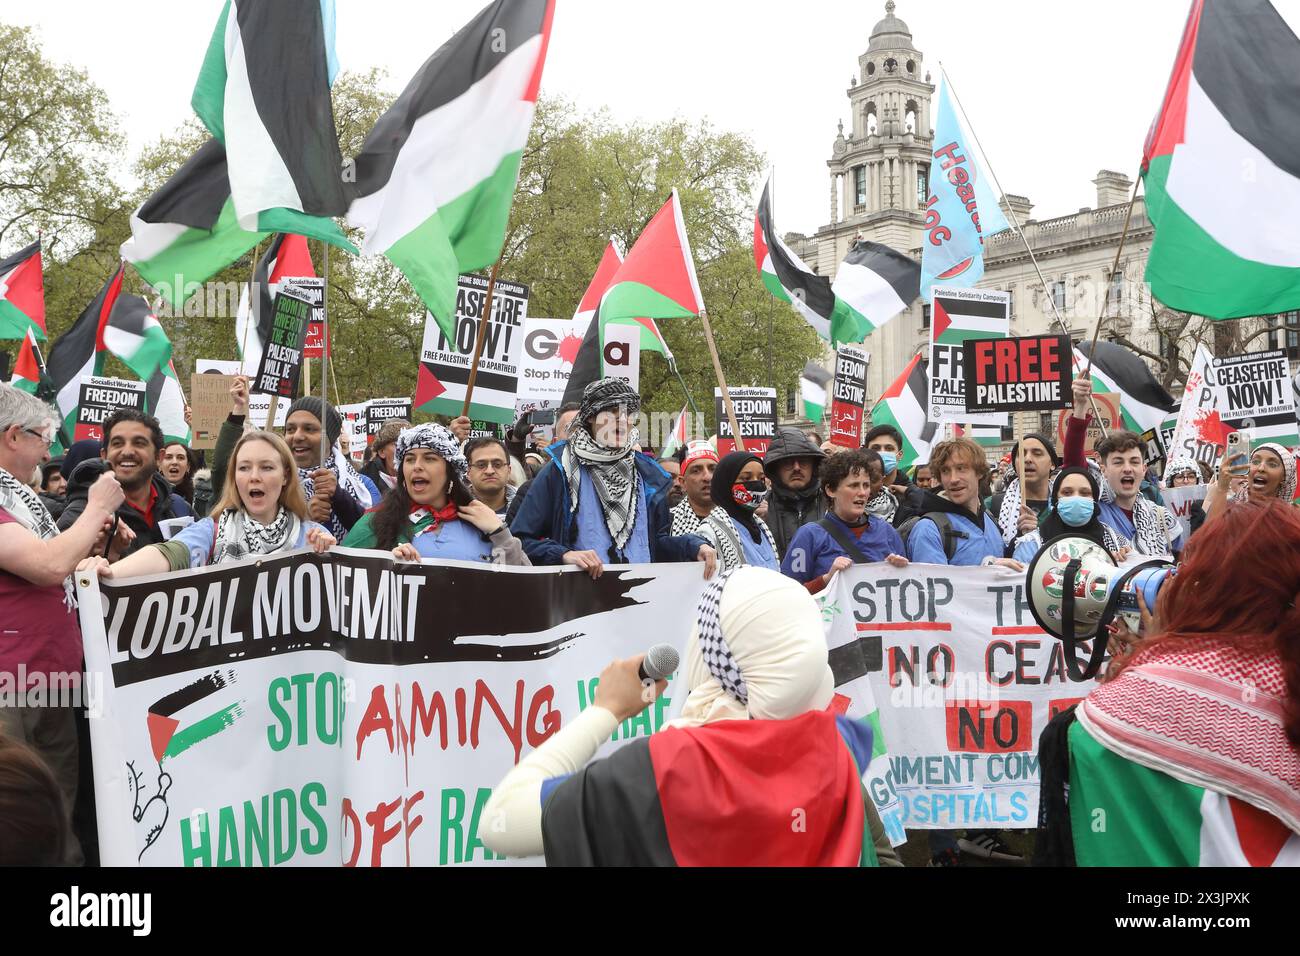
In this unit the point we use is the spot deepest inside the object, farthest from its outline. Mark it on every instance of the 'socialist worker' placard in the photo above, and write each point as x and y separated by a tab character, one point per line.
1017	375
755	414
100	397
849	394
282	357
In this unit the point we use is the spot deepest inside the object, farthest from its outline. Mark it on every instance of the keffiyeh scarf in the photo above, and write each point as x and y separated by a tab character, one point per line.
348	478
685	520
613	472
240	535
719	531
1151	522
1009	513
883	505
29	511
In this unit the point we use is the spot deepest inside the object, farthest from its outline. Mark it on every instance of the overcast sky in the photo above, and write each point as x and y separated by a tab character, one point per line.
1055	90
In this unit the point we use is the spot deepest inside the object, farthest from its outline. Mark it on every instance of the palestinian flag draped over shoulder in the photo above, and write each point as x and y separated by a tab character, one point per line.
27	367
1144	403
263	92
187	231
718	795
903	405
436	177
22	294
287	255
1222	166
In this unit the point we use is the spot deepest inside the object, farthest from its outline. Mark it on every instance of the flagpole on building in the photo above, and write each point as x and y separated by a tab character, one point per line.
480	337
722	382
1015	222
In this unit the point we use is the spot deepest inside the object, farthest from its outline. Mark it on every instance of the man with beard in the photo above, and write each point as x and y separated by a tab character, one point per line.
673	465
1017	510
791	464
132	449
489	473
696	504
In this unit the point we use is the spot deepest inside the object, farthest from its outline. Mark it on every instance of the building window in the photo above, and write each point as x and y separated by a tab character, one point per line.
860	184
1289	338
790	394
925	317
1047	423
1011	303
1058	295
1115	294
922	186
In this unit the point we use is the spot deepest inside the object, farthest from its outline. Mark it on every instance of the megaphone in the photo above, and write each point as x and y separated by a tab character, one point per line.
1075	590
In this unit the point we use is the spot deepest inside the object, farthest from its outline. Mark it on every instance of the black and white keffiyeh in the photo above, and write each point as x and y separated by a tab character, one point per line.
613	472
239	535
347	477
719	532
713	644
1009	513
26	507
685	520
436	438
1151	522
883	505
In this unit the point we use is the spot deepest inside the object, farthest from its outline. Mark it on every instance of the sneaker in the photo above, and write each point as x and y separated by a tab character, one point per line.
986	845
946	858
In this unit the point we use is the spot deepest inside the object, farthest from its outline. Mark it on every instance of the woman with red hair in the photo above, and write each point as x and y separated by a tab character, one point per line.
1189	753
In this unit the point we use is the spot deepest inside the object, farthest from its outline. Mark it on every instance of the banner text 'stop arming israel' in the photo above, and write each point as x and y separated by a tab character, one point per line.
962	209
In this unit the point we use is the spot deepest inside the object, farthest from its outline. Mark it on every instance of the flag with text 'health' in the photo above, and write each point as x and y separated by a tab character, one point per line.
962	210
436	177
1221	166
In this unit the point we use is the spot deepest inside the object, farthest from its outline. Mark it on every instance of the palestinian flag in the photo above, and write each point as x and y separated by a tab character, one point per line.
955	319
27	367
168	738
136	337
903	405
656	281
1144	403
165	401
187	231
436	176
1225	242
588	365
814	384
873	283
987	436
22	294
287	255
1194	826
719	795
263	92
677	437
610	260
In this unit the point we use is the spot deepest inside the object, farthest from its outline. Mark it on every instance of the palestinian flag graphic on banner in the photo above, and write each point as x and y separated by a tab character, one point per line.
27	367
903	405
436	177
22	294
1225	241
814	385
957	319
1144	403
166	735
987	436
697	815
656	281
263	92
186	232
287	255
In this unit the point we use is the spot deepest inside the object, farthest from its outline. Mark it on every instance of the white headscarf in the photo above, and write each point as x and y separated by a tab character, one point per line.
773	630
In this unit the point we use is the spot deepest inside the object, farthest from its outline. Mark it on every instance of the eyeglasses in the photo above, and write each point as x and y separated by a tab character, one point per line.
45	437
497	465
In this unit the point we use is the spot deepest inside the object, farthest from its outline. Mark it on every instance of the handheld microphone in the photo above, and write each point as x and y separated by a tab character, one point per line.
660	661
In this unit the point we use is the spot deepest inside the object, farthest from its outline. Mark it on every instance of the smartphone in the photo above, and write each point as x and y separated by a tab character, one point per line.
542	417
1236	447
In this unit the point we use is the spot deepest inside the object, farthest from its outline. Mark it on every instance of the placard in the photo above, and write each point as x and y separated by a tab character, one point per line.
1108	407
445	365
98	398
313	290
210	405
1026	374
259	405
848	396
382	410
1252	393
955	316
755	414
277	373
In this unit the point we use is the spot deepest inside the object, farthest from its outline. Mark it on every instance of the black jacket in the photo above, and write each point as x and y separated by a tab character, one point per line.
789	510
911	503
168	504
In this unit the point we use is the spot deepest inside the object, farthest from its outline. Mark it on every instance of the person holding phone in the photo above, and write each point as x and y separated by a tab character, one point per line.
1269	471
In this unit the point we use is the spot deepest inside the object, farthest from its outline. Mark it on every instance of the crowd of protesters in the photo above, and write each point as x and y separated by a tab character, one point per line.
134	503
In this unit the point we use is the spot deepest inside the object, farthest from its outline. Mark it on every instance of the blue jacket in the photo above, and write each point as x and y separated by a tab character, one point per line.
980	536
813	550
547	529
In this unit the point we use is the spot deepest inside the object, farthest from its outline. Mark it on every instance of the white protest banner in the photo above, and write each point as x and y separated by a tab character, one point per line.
1253	394
957	315
1179	501
354	426
551	347
259	405
1199	433
445	365
345	708
755	414
962	684
98	398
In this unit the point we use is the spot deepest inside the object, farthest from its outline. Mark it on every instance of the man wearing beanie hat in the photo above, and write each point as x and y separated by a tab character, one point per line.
698	465
598	501
380	469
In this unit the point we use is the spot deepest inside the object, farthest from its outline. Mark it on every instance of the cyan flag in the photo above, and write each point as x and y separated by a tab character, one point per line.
962	208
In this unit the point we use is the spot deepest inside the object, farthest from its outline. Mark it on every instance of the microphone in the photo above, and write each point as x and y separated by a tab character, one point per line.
660	661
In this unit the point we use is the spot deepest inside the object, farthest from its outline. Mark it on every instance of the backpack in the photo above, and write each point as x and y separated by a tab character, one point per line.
947	532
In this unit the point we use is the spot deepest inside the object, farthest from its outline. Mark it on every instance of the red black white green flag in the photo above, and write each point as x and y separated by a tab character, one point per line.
22	294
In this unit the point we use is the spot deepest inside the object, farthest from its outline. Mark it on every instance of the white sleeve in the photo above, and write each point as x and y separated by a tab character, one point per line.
514	812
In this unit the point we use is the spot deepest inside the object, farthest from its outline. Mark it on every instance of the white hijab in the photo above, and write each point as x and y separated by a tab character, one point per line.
773	628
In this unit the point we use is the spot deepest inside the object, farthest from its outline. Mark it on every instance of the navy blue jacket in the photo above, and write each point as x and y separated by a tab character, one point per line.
547	529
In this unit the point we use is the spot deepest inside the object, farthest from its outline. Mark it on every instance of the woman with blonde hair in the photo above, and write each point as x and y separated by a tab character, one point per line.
261	512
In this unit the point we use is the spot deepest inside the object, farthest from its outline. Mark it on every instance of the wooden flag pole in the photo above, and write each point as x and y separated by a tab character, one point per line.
479	339
722	382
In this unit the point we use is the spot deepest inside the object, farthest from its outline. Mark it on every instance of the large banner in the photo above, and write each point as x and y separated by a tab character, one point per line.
445	364
957	315
949	667
347	709
1253	394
